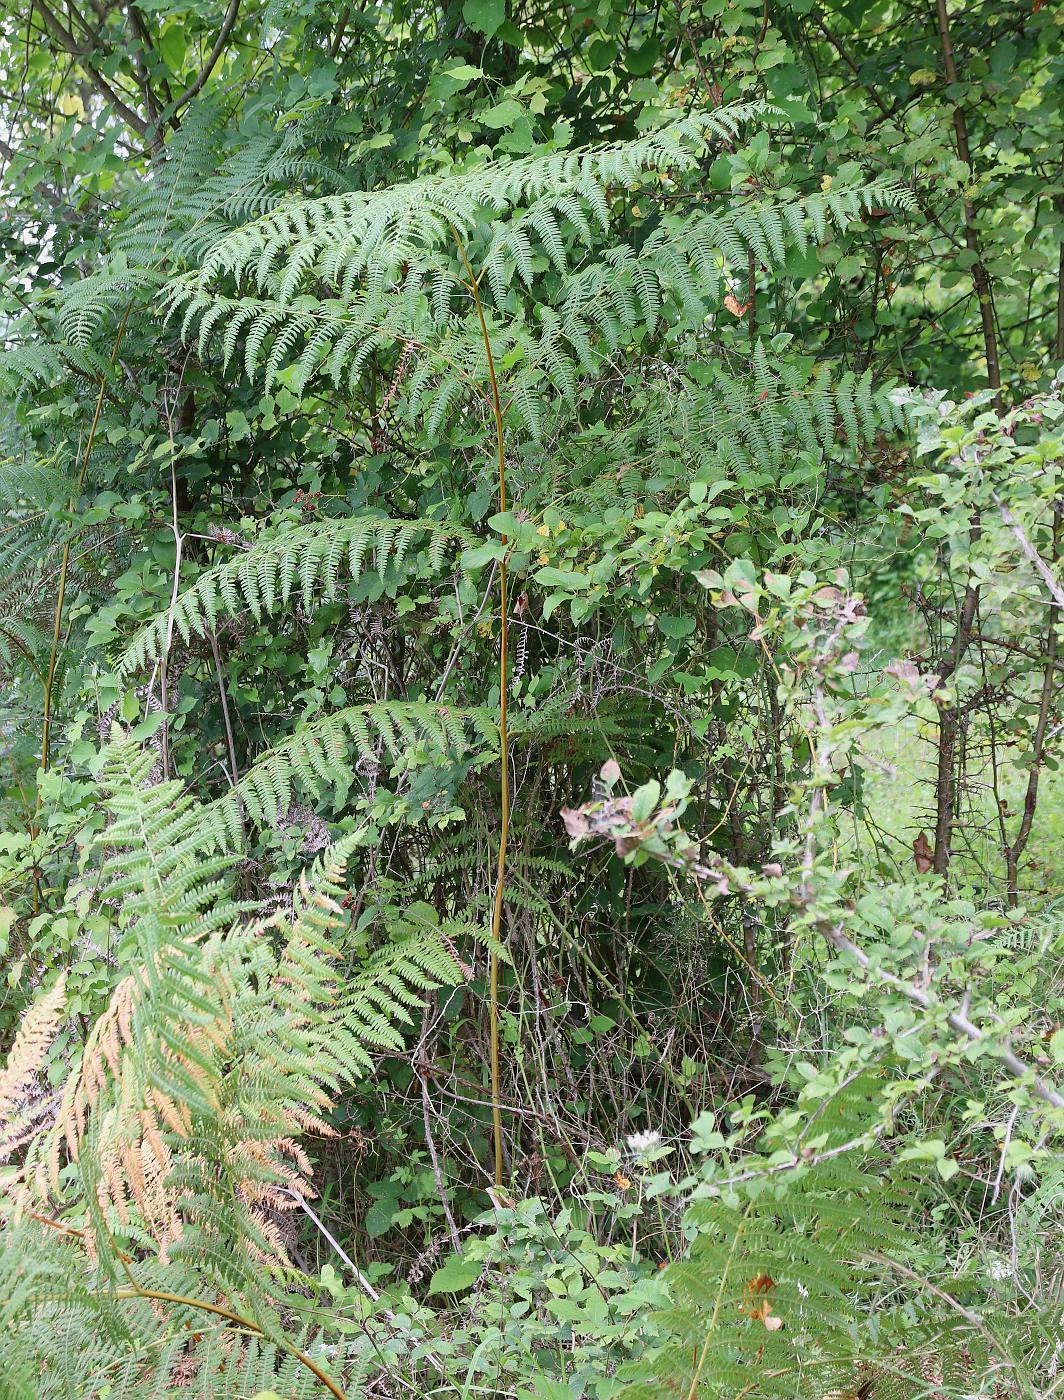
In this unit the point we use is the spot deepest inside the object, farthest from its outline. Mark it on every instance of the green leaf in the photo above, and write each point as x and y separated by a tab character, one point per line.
676	627
485	16
640	61
147	727
380	1216
451	80
645	799
551	577
481	554
503	114
7	918
172	47
454	1276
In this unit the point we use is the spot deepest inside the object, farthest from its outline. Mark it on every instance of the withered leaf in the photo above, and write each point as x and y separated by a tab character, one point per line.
923	854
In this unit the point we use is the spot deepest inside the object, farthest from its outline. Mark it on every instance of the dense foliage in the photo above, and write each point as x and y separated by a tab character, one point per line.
530	690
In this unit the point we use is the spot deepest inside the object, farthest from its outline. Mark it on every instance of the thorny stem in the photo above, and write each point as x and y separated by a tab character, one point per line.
504	741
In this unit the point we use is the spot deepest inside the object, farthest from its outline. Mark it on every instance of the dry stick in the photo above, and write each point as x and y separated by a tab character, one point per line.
437	1171
179	550
234	771
360	1278
1055	590
949	725
969	1316
430	1141
136	1291
504	740
1004	1153
64	564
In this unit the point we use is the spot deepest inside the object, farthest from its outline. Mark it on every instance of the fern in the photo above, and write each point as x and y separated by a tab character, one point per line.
221	1047
305	562
66	1332
318	755
784	1290
391	260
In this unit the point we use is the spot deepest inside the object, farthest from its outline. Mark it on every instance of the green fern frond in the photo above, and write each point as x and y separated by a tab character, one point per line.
392	261
222	1046
305	562
319	755
782	1293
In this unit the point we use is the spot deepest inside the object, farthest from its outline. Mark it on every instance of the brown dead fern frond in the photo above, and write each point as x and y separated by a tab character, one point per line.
24	1113
32	1043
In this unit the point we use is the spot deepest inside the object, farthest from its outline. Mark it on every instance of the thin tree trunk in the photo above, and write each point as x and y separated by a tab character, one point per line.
947	777
1045	707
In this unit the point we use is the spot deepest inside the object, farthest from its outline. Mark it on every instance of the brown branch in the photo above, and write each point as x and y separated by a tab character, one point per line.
184	98
1015	850
338	37
140	34
422	1070
71	46
141	31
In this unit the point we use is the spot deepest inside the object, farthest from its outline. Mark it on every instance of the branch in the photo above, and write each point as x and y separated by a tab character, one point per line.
832	933
1056	593
236	1320
957	1020
205	72
71	46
